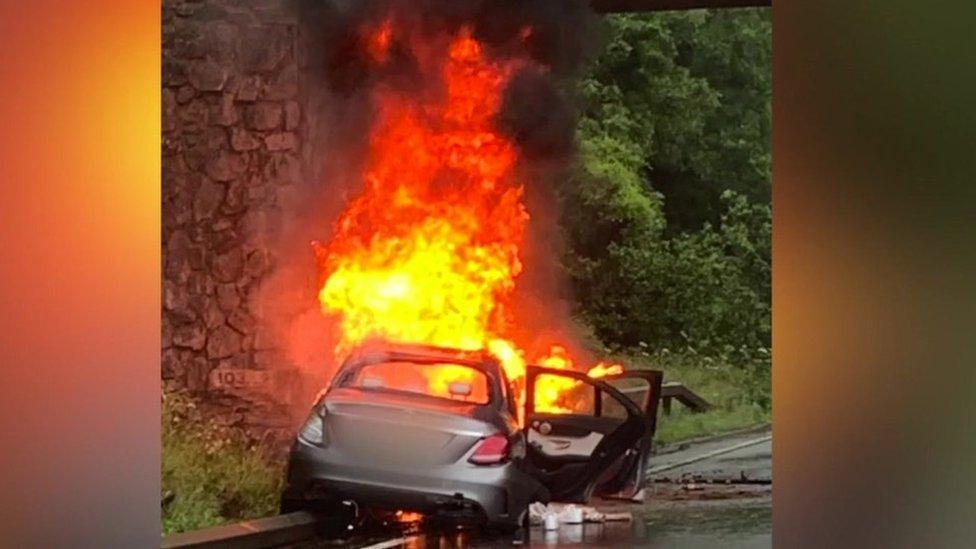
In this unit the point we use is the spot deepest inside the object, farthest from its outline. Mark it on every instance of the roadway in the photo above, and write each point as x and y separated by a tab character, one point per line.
703	494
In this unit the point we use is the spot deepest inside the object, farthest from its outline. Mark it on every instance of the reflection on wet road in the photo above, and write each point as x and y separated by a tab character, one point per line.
722	501
730	524
692	525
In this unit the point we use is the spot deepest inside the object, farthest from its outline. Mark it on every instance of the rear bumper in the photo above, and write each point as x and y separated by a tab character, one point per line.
500	494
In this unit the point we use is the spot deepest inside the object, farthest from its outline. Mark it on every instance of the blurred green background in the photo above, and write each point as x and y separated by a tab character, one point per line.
874	275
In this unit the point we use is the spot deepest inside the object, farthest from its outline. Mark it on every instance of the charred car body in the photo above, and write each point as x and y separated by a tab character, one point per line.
382	437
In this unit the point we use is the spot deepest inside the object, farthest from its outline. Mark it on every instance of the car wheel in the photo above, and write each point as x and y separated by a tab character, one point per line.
291	505
323	507
509	528
503	528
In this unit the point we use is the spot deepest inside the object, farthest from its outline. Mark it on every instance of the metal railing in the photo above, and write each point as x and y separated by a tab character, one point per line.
675	390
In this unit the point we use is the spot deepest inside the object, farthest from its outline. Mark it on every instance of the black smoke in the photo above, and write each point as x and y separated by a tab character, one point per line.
538	111
337	80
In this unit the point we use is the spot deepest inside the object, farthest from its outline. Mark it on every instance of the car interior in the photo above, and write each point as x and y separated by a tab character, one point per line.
451	381
595	442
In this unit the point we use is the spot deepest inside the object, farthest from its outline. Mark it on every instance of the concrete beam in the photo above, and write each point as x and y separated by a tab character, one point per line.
624	6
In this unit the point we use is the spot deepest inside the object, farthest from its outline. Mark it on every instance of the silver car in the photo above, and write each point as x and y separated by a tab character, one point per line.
385	436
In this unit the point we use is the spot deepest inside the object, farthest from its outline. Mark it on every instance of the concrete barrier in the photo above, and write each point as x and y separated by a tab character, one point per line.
250	534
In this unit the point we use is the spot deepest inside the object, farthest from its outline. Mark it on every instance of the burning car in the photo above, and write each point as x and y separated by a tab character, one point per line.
439	430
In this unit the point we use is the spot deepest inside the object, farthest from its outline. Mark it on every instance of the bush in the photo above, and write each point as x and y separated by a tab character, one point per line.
667	219
211	474
708	290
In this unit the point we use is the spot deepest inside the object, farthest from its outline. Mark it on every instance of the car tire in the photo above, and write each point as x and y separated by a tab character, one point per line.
315	506
292	505
507	528
503	528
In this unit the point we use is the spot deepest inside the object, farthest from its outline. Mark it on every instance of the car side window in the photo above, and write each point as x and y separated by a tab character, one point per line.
556	394
637	390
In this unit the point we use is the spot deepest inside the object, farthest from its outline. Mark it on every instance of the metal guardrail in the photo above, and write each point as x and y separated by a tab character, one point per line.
702	457
675	390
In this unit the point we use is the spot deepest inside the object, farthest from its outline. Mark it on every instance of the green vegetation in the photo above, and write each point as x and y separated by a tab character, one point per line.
210	474
668	219
740	395
668	226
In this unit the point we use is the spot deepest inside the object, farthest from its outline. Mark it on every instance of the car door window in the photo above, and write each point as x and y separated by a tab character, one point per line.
638	390
565	423
643	388
557	394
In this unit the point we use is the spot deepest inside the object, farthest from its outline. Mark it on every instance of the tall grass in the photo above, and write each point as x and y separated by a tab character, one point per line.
739	393
211	474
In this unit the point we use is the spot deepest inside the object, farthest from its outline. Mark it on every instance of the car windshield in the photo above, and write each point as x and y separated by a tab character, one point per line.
445	380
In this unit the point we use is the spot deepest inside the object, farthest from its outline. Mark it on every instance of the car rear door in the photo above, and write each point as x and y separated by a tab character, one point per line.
577	448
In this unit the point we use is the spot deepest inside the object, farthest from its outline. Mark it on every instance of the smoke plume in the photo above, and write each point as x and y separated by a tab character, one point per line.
355	48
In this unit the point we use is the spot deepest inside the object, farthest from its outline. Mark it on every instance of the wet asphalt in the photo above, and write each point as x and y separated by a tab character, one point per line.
720	501
742	522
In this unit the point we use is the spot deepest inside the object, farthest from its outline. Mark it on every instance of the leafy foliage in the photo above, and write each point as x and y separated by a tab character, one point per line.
690	92
668	218
739	395
211	475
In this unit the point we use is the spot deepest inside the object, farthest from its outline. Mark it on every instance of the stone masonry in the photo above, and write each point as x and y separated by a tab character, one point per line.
233	130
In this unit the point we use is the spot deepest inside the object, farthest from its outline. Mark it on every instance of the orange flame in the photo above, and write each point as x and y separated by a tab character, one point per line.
404	517
429	252
378	41
556	394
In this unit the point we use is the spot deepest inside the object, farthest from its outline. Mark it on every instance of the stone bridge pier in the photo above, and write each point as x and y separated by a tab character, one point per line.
235	137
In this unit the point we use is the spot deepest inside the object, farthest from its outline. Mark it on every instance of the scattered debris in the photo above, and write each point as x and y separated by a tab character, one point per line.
552	514
709	491
623	516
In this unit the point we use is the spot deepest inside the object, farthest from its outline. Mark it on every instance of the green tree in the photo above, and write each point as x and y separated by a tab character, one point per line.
668	218
692	90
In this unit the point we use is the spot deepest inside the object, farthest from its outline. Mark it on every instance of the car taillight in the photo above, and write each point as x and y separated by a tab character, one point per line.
493	449
313	431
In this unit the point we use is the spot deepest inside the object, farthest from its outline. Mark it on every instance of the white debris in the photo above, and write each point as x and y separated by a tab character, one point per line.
623	516
571	515
562	513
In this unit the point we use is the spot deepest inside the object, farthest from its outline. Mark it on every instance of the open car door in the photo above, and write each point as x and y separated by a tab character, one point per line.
594	438
643	387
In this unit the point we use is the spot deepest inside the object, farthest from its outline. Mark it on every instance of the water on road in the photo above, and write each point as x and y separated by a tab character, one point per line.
716	493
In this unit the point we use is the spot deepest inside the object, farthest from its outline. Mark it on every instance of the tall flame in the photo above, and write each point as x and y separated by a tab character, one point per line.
429	252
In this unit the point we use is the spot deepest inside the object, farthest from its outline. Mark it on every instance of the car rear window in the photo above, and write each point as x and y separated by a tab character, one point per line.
445	380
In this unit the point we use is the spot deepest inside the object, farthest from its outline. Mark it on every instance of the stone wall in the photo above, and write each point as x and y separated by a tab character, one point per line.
233	131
